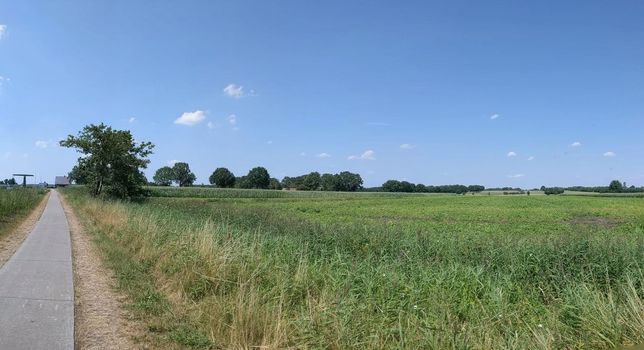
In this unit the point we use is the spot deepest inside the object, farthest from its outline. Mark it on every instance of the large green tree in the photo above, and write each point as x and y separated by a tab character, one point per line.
182	174
258	178
111	160
347	181
615	186
164	176
223	178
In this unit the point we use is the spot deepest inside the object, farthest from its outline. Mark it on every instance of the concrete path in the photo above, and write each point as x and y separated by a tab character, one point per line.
36	287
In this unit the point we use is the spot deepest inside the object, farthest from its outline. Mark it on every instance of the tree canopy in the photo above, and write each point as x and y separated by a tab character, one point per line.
164	176
257	177
182	174
223	178
111	161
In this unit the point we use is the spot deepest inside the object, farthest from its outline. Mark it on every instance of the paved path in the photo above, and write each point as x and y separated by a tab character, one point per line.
36	287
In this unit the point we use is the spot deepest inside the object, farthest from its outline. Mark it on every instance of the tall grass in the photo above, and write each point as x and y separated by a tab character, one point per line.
268	274
15	204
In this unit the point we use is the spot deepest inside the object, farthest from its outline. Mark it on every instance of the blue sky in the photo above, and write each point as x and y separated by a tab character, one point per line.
499	93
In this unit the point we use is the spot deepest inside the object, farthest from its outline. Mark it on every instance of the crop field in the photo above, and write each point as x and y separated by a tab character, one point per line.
15	204
316	270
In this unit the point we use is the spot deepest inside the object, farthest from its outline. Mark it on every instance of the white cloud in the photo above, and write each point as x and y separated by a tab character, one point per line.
516	176
575	144
234	91
172	162
270	142
303	154
131	120
211	125
367	155
609	154
232	119
531	158
191	118
41	144
323	155
3	30
407	146
512	154
494	116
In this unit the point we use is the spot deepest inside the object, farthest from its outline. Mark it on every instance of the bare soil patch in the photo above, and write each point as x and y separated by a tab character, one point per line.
10	242
100	319
594	222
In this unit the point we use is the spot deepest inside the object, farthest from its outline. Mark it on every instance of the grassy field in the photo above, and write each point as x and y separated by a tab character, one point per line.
16	204
334	271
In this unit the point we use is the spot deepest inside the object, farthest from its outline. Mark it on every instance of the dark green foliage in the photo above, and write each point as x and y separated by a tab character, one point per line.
615	186
475	188
327	182
257	177
222	178
111	161
182	174
404	186
11	182
274	184
163	176
553	190
348	182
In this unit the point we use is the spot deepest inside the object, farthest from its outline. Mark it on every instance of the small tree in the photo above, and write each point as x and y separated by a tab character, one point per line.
615	186
182	174
223	178
111	161
163	176
258	178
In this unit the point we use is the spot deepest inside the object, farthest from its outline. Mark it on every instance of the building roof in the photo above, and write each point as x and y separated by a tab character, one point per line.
62	180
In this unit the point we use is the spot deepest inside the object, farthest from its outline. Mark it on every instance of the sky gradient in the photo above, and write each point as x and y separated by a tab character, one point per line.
498	93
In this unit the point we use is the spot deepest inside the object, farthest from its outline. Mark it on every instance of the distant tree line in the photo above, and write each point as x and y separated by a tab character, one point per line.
615	186
345	181
404	186
11	182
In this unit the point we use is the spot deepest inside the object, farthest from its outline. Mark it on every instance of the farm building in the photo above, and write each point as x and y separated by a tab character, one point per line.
61	181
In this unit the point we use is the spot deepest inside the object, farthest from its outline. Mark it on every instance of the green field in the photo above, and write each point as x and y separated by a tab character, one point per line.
331	270
15	204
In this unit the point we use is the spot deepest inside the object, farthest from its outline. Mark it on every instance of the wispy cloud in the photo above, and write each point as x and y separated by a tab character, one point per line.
323	155
494	116
41	144
3	30
407	146
232	119
516	176
211	125
234	91
303	154
366	155
131	120
609	154
172	162
575	144
531	158
191	118
512	154
269	142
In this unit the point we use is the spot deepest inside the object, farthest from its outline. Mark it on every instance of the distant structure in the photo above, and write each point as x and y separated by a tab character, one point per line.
61	181
24	178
